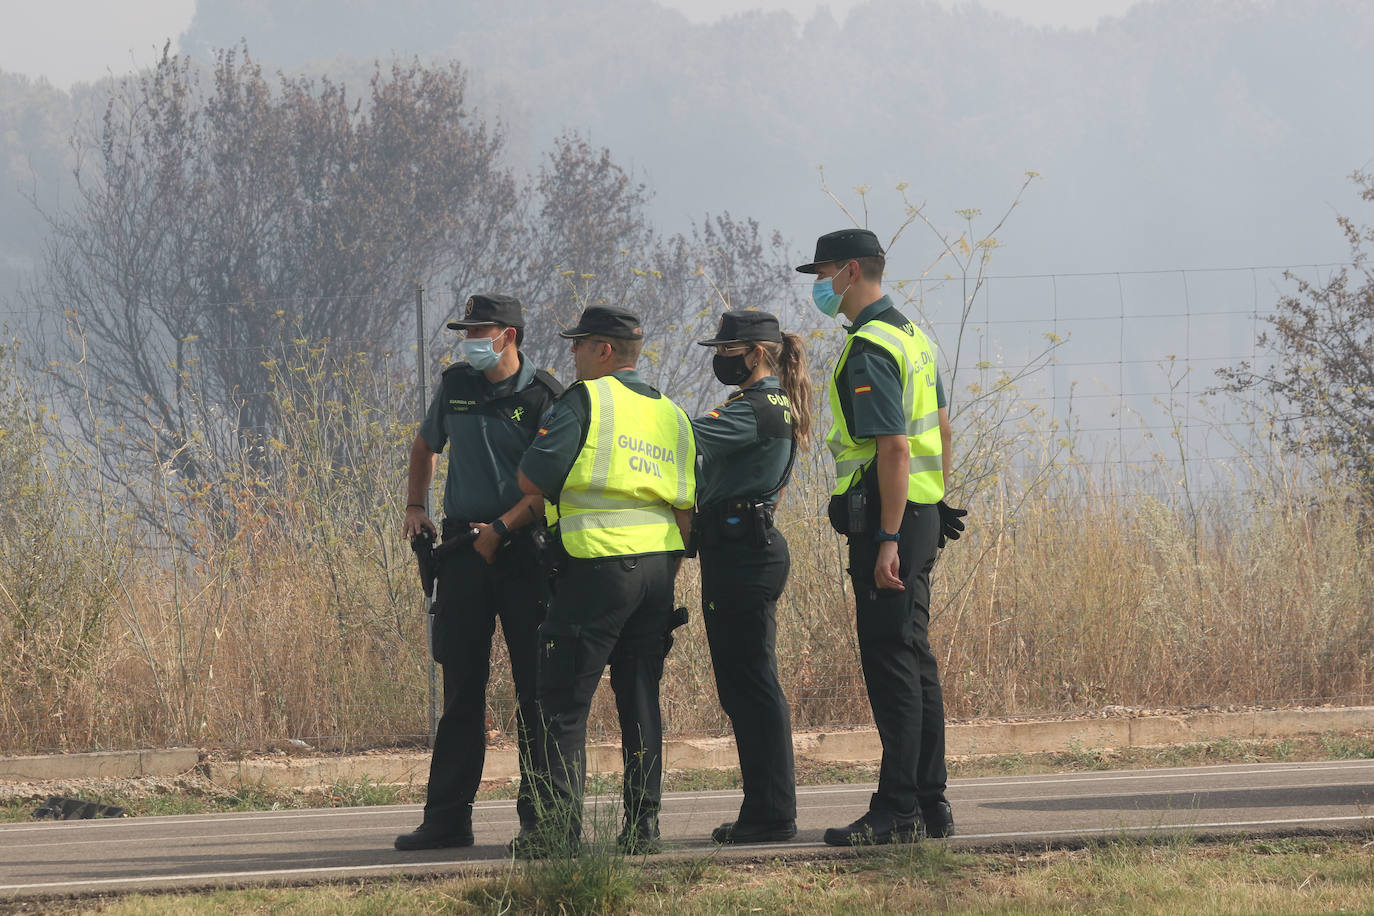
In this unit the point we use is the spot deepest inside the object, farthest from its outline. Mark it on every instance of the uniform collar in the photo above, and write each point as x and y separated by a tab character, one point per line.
871	311
524	375
628	377
768	381
511	384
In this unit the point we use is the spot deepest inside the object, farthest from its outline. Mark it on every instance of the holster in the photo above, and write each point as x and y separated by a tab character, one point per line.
423	545
855	512
430	558
548	548
678	619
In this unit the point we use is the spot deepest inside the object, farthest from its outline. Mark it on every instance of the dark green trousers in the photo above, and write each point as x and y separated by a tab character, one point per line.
741	582
900	672
616	612
469	597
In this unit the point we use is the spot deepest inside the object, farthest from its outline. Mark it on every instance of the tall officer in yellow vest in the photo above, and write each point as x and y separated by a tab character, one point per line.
891	443
618	460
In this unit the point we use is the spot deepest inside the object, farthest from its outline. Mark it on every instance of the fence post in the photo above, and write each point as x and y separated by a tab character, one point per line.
422	394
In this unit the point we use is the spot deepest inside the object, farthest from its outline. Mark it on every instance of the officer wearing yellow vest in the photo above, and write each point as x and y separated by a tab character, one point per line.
891	443
618	460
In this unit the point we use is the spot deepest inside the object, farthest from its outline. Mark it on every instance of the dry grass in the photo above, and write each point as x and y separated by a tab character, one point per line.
280	601
1130	877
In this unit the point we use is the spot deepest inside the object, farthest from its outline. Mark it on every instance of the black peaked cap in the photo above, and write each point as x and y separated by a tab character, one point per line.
745	325
490	308
843	245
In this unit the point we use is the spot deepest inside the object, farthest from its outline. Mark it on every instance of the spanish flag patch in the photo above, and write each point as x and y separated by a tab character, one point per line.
863	389
713	413
543	431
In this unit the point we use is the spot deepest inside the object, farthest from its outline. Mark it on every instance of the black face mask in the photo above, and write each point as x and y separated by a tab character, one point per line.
731	370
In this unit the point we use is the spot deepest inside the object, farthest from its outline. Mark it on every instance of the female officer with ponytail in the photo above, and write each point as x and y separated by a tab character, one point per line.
748	446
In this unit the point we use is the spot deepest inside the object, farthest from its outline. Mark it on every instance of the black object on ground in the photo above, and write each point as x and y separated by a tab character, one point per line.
61	808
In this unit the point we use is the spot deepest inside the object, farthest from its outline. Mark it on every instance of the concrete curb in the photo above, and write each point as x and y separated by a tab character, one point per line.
100	765
856	746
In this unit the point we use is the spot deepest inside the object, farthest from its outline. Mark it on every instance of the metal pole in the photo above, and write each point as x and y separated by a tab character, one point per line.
422	394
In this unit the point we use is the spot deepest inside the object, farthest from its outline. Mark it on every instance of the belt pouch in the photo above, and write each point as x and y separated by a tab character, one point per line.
735	520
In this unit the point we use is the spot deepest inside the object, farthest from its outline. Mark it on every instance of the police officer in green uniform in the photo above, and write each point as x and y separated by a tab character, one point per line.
748	446
487	410
891	443
618	459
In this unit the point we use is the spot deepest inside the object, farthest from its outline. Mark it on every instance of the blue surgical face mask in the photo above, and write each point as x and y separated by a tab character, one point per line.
479	353
826	299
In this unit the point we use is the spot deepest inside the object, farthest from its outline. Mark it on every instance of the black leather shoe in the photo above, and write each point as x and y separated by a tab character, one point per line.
876	828
640	838
430	836
938	820
734	832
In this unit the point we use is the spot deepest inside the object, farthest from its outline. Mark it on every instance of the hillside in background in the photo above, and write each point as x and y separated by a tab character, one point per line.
1187	133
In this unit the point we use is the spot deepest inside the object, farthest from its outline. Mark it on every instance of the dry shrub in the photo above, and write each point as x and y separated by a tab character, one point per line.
55	589
282	603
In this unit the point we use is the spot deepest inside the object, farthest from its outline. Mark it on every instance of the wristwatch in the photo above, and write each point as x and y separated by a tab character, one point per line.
500	528
881	535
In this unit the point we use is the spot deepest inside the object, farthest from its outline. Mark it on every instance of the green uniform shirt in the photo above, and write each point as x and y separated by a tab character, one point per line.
561	434
737	460
878	411
486	438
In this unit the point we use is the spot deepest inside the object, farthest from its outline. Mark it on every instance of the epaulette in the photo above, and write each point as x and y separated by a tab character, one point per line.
726	403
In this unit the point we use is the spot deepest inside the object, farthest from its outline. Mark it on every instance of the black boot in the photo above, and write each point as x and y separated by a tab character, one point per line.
939	820
640	837
877	828
430	835
545	841
734	832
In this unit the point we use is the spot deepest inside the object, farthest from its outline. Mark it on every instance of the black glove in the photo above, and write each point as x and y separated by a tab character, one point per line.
950	525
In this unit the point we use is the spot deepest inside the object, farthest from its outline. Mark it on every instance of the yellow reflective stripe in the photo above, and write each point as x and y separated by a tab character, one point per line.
923	425
615	518
890	336
605	434
923	463
848	466
834	442
684	460
918	464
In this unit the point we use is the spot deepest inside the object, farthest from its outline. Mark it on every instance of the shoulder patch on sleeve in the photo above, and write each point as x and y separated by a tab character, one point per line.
863	389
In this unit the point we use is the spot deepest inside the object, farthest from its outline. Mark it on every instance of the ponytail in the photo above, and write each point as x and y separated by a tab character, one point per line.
788	359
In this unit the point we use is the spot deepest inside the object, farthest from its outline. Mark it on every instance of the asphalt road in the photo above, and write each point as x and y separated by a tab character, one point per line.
50	858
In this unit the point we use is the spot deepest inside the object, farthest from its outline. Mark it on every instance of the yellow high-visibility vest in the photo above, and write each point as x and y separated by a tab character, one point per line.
915	358
637	465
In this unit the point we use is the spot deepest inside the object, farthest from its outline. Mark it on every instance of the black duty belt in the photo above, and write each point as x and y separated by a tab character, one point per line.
453	528
741	519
